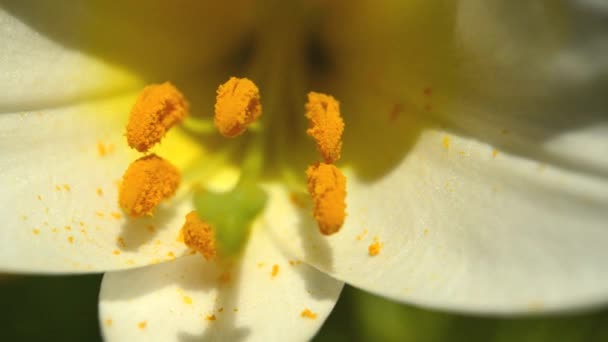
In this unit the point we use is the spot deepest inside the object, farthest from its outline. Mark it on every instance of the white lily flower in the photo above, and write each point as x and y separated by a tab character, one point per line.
474	147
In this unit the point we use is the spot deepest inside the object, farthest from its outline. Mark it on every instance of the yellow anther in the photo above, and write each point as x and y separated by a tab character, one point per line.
199	236
326	125
237	105
156	110
147	182
327	186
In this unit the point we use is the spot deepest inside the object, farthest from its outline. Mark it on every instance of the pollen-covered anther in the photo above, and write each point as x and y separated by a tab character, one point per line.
147	182
326	125
327	187
237	105
199	236
157	108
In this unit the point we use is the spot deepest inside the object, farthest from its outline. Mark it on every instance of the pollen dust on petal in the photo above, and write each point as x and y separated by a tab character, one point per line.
158	108
275	270
375	248
326	124
142	325
108	322
362	235
306	313
237	105
104	149
446	142
210	317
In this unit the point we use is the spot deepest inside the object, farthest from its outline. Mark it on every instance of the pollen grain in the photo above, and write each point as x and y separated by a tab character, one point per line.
306	313
158	108
375	248
237	106
147	182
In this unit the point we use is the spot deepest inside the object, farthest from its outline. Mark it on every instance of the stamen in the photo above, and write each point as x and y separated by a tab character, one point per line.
199	236
156	110
237	106
147	182
326	125
327	186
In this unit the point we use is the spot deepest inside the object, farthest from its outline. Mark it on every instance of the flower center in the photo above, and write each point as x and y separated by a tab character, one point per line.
221	222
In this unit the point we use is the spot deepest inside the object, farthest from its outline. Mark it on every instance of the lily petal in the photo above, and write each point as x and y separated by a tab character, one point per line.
477	184
38	72
265	297
60	169
459	225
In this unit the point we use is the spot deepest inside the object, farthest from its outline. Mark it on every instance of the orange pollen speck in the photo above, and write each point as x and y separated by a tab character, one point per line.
327	186
199	236
306	313
147	182
210	317
142	325
326	125
156	110
275	270
237	105
375	248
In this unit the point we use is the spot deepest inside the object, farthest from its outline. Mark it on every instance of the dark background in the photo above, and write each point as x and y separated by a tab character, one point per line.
65	309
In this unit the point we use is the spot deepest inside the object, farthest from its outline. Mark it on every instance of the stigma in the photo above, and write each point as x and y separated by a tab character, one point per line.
237	106
157	108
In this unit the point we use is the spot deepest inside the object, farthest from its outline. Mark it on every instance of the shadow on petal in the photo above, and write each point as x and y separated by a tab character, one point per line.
223	324
140	231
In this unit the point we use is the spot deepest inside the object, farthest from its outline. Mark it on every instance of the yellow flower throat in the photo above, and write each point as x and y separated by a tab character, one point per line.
220	223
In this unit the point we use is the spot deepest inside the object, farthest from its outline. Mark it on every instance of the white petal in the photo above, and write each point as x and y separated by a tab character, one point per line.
188	300
37	71
487	192
58	174
462	226
53	53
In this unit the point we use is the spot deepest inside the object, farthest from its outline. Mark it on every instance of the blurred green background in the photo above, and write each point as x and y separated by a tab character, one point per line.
64	309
